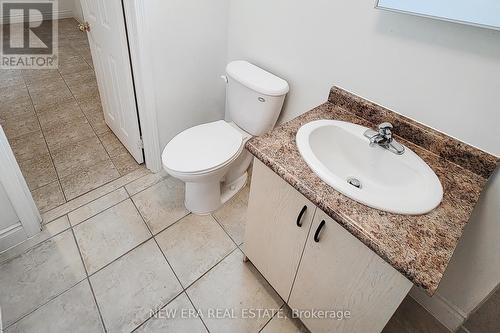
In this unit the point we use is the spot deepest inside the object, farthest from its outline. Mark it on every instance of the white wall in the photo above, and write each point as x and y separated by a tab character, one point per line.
77	11
187	40
442	74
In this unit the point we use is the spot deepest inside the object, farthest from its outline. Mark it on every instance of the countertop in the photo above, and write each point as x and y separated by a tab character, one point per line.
420	247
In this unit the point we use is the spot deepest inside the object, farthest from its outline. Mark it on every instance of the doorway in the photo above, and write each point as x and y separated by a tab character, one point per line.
55	124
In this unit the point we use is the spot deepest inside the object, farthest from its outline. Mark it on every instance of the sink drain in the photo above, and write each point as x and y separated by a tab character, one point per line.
354	182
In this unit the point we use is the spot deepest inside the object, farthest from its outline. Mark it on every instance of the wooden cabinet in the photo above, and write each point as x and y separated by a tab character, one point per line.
317	268
339	273
278	221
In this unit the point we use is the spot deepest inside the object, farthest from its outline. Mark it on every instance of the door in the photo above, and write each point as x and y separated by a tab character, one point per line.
278	221
339	273
110	54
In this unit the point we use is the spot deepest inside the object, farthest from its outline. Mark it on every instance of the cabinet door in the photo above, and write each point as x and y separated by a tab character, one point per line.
277	228
338	272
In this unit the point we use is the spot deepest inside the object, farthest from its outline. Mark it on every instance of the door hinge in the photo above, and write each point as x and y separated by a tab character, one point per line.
141	143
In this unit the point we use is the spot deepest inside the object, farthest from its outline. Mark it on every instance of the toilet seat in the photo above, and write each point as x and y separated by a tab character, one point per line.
203	148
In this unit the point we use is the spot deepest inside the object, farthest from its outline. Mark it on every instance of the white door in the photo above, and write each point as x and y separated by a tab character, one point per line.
110	54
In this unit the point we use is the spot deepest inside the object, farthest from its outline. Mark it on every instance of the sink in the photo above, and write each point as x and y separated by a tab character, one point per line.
342	157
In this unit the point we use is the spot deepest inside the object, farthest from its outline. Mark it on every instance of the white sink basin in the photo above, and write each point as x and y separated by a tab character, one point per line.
342	157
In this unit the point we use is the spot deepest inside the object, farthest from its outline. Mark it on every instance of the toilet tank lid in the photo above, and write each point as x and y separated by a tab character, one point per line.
256	78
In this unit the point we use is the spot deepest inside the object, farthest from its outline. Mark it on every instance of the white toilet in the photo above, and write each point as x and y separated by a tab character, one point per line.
211	158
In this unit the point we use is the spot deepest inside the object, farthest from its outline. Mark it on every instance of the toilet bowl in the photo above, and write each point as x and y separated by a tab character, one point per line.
211	158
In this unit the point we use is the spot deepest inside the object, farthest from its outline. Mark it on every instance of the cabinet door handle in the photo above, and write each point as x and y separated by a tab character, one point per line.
318	231
299	218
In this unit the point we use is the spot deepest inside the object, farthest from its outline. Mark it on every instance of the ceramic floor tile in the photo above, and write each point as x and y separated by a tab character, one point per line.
91	104
193	246
44	93
73	64
95	207
43	272
58	114
78	156
283	322
10	77
73	311
20	125
145	182
16	108
96	120
232	216
176	317
18	93
32	76
141	280
110	234
487	317
124	163
68	132
48	231
233	284
49	196
162	204
112	144
38	171
82	84
29	146
88	179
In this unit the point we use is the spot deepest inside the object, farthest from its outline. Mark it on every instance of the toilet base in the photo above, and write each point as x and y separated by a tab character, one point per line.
205	198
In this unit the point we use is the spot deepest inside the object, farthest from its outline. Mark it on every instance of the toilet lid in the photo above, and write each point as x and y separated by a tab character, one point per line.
202	147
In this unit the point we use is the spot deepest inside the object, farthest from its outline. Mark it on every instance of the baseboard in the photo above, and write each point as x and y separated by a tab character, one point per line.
11	236
61	14
440	308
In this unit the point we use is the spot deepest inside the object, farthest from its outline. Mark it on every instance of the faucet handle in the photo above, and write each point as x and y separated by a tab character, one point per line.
385	128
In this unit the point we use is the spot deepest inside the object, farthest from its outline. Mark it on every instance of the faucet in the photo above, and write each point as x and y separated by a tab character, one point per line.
384	139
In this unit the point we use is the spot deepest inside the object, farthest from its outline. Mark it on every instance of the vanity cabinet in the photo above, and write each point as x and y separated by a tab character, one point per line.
319	265
281	218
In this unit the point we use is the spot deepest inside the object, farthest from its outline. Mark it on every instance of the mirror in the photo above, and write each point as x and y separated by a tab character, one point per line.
482	13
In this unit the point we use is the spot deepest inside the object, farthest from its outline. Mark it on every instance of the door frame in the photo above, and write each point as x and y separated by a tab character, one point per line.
17	190
138	28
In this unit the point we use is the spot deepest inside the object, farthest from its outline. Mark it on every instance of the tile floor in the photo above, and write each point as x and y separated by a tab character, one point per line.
128	257
54	122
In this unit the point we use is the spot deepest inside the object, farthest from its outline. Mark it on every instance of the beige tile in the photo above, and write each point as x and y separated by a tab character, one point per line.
162	204
32	76
233	284
29	146
97	122
283	322
49	196
145	182
93	195
73	64
487	317
91	104
88	179
193	246
10	77
78	156
112	144
43	272
55	115
110	234
73	311
97	206
232	216
14	94
16	109
44	93
20	125
38	171
174	318
67	133
142	281
48	231
82	84
125	163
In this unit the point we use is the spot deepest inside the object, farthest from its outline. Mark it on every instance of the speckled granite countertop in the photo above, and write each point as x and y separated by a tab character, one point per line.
420	247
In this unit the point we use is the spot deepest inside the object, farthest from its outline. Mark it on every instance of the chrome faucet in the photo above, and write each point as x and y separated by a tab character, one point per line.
384	139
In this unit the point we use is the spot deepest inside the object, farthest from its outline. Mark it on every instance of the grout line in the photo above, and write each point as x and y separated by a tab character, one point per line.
99	212
88	279
274	315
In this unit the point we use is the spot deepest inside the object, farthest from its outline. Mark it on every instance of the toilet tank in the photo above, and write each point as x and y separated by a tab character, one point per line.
254	97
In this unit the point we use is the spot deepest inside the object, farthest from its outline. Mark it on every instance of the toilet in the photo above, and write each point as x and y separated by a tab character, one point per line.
211	158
